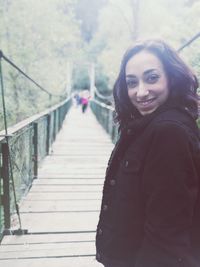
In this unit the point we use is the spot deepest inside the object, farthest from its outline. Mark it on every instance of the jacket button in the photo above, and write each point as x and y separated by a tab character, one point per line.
129	131
112	182
126	163
105	207
100	232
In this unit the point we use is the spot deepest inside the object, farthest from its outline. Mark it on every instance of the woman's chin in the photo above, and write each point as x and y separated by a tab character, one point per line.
147	111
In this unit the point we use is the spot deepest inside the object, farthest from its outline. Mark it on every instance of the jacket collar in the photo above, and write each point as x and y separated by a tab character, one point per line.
137	125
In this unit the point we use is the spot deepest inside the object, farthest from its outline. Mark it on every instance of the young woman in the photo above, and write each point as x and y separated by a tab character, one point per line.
150	212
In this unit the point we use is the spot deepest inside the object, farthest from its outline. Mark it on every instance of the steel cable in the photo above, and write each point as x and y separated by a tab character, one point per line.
27	76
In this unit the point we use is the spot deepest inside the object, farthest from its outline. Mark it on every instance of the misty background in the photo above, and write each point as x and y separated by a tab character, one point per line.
52	40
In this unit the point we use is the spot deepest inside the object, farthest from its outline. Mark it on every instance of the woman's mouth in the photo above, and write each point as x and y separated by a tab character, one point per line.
146	102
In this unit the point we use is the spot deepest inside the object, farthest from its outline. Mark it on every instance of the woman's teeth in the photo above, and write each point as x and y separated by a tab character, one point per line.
146	102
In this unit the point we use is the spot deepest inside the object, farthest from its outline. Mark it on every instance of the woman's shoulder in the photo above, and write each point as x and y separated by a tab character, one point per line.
174	127
177	120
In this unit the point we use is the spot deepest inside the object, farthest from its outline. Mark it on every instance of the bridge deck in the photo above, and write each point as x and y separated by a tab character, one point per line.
61	209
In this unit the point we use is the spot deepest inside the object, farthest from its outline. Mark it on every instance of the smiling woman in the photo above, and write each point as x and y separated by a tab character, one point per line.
152	215
181	81
146	82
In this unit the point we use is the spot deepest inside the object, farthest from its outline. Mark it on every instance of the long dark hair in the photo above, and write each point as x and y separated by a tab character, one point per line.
182	81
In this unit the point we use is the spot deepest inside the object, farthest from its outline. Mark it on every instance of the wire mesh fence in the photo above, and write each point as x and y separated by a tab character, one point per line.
104	115
28	144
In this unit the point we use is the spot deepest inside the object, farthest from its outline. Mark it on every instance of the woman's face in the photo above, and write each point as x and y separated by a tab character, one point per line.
146	81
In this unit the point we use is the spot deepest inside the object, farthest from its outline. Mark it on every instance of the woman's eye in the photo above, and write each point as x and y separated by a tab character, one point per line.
152	78
131	83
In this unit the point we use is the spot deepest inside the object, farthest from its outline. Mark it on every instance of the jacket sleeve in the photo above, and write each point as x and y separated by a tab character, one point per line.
170	187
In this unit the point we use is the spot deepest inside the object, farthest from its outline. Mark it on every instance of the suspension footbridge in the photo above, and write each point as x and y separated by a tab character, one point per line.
59	213
52	168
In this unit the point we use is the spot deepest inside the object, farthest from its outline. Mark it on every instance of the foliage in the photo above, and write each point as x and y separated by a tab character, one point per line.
101	82
174	21
86	12
191	54
40	37
81	79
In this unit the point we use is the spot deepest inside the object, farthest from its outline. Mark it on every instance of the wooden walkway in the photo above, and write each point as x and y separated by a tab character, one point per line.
61	210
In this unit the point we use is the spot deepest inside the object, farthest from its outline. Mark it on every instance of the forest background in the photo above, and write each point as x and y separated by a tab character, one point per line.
51	40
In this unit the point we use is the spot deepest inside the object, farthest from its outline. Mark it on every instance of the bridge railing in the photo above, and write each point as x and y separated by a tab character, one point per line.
29	142
104	115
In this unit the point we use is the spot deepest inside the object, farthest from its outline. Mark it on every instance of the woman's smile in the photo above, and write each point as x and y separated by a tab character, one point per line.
145	102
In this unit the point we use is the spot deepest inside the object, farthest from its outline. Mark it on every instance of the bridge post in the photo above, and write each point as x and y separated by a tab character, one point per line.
6	185
54	124
35	150
48	142
92	80
69	80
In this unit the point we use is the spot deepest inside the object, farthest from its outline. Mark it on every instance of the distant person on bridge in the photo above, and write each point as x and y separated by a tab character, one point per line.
85	100
150	212
77	99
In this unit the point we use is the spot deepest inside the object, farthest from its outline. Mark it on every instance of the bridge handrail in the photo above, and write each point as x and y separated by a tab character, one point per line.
20	125
29	142
103	97
104	115
103	105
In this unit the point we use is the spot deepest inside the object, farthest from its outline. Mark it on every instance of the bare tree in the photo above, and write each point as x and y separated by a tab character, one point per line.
135	5
133	24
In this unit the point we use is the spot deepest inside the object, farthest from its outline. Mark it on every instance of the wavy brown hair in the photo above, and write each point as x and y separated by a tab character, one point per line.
182	81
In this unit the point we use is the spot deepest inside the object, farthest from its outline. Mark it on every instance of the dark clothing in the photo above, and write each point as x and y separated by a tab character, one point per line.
84	107
84	102
150	215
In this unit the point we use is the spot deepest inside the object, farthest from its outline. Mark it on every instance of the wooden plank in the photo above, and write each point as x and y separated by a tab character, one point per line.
53	262
71	175
72	170
62	196
66	188
59	169
46	238
70	164
68	182
59	222
100	159
62	206
48	250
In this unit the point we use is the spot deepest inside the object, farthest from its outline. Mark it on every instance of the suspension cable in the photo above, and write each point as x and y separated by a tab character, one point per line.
7	142
27	76
189	42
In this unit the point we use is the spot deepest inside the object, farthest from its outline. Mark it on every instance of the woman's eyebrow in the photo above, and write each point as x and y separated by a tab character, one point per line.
145	73
131	76
149	71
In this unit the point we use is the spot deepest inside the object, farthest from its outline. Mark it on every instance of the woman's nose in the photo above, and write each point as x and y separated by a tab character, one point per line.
142	91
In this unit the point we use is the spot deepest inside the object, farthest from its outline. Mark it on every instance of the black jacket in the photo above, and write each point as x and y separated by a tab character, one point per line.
150	212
